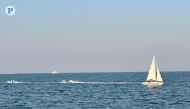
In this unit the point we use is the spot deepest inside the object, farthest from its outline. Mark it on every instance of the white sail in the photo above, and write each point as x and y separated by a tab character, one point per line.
152	71
159	78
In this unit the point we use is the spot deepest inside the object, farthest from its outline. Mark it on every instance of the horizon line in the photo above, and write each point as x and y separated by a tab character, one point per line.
96	72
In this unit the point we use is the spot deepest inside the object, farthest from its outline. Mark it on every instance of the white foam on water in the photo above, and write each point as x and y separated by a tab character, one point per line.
13	82
46	82
79	82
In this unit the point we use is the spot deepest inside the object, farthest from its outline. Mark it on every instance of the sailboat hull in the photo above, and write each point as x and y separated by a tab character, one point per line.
153	83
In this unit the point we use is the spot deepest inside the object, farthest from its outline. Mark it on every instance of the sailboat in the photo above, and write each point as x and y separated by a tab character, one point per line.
154	76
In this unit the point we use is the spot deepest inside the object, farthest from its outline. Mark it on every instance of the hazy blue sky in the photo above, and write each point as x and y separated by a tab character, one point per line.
94	35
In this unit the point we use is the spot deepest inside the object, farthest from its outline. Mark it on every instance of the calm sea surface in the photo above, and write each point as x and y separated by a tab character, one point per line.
94	90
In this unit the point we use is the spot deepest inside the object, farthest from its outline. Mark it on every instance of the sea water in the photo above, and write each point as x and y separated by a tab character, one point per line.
94	90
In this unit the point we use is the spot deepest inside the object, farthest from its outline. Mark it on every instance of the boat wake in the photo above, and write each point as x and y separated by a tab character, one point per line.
79	82
71	81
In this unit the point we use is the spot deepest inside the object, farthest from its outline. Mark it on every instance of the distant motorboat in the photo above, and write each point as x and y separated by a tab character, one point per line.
68	81
154	77
12	81
54	72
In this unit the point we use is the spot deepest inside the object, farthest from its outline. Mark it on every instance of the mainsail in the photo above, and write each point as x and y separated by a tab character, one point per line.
152	71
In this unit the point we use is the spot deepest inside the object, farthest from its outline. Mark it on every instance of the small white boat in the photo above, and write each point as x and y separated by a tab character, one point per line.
154	77
54	72
12	81
69	81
